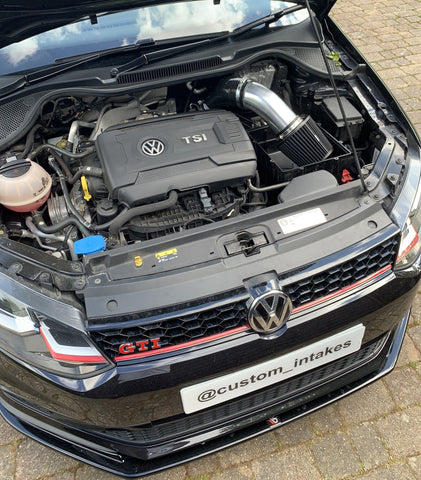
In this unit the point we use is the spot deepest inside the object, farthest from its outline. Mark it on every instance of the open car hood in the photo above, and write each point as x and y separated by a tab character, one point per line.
23	19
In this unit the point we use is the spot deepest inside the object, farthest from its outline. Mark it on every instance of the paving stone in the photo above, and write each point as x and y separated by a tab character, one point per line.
405	386
416	310
65	476
293	464
202	466
326	420
86	472
368	446
366	404
175	473
390	73
299	431
415	334
411	104
7	462
34	460
400	94
390	472
401	432
238	473
245	451
8	434
415	465
335	457
409	352
415	117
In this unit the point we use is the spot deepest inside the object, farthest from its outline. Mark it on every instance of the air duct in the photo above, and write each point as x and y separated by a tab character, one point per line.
300	139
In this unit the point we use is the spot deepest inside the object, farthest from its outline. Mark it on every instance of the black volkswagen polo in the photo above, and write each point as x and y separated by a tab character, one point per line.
209	223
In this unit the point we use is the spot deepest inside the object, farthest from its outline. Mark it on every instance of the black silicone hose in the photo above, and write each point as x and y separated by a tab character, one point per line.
125	217
56	227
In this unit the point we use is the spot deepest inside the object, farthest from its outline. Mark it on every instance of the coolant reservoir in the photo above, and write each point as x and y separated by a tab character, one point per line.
24	185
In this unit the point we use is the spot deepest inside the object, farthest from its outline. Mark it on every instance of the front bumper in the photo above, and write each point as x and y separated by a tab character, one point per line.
109	432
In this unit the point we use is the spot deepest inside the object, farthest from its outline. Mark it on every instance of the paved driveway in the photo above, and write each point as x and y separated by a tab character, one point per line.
373	434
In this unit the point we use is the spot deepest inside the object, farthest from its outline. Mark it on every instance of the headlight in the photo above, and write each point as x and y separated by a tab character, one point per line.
44	343
407	210
410	246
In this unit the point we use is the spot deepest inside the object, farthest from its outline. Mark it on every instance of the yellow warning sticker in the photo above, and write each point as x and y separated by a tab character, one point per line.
166	255
138	261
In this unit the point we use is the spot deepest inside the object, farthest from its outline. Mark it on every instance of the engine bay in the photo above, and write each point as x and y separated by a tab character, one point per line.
135	167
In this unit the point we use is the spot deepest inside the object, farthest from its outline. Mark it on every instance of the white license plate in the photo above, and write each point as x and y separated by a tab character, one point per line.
218	390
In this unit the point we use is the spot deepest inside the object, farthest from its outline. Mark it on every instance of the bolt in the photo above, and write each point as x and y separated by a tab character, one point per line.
16	267
97	281
44	277
76	266
112	305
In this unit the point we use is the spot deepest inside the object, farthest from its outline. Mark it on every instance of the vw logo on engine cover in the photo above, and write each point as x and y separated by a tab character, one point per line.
269	312
152	147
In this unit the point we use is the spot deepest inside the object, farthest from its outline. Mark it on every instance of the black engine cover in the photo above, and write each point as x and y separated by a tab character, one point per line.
143	161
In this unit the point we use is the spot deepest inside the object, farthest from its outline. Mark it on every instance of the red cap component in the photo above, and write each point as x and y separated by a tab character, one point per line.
346	176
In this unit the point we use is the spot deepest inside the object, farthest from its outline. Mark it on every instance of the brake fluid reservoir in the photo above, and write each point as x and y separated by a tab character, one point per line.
24	185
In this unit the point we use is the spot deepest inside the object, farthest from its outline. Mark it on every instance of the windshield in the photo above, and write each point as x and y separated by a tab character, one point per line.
124	28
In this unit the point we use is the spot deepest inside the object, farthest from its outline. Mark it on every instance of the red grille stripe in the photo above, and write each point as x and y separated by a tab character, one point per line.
246	327
182	345
341	291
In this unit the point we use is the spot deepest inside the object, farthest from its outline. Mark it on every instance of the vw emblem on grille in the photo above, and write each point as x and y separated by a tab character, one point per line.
152	147
269	312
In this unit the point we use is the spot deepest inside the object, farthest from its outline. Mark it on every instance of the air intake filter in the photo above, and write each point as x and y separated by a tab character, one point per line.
305	144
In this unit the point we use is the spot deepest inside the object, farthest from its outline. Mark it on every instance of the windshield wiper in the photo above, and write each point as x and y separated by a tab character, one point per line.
148	58
141	60
42	74
266	21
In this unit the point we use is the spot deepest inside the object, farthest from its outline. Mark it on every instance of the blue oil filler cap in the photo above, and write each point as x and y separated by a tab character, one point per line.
88	245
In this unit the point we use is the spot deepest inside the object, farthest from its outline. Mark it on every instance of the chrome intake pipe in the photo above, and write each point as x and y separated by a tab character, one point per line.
261	100
301	139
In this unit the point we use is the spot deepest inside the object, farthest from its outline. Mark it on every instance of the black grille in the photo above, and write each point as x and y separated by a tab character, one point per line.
179	329
250	403
343	275
218	315
170	71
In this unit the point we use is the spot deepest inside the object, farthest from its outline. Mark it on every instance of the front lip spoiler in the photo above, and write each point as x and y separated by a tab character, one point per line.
108	458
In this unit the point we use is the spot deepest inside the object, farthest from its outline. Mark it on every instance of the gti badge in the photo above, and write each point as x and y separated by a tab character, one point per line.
269	309
152	147
138	347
